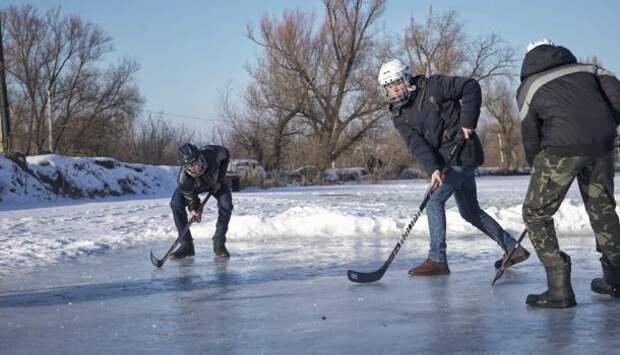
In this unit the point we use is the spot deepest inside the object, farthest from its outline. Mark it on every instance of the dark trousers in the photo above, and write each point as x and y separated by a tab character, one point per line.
178	203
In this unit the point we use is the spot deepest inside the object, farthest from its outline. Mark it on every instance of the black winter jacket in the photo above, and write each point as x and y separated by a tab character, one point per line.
217	158
434	115
565	107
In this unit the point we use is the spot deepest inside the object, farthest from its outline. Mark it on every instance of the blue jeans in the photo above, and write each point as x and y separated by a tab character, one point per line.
460	181
178	203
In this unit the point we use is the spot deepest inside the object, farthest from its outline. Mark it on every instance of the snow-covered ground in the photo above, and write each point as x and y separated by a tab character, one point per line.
362	213
51	179
79	274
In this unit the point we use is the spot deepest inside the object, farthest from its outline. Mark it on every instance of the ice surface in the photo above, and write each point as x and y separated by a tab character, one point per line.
77	279
363	213
270	299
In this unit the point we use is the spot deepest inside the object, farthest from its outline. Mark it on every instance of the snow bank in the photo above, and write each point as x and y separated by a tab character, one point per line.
18	185
275	217
52	177
315	221
42	236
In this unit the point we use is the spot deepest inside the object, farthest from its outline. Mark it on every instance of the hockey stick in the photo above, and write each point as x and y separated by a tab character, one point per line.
159	263
365	277
501	269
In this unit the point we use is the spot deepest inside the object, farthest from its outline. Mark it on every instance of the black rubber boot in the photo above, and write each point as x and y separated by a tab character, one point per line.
559	292
609	284
219	249
185	249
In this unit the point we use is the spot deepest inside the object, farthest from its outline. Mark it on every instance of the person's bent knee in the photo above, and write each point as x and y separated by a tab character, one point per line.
533	215
468	217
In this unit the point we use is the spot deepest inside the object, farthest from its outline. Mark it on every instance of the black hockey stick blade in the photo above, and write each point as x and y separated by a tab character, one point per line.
158	263
366	277
501	269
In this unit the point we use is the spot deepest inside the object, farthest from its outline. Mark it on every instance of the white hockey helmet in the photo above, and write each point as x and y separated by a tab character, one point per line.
544	41
392	72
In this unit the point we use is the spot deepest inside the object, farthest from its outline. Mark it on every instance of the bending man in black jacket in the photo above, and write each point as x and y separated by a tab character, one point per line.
203	170
568	127
432	114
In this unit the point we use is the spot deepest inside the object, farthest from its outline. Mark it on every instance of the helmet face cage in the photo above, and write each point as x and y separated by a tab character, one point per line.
196	167
402	98
193	162
395	72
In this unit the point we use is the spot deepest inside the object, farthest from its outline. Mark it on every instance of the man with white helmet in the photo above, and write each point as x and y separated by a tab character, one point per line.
433	114
569	114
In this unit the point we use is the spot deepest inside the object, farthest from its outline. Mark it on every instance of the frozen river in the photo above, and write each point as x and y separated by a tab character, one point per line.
76	279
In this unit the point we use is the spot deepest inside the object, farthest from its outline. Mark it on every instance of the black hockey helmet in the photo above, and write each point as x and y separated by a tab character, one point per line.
187	154
194	162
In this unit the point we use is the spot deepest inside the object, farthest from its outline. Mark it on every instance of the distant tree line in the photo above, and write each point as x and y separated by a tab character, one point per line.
58	79
312	101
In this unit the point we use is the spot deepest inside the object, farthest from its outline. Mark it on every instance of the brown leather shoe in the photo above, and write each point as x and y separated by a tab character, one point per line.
520	255
430	267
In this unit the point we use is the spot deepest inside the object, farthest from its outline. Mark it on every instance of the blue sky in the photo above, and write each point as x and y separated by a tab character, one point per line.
189	51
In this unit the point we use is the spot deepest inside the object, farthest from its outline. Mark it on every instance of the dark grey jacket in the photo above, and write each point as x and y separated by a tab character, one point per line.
434	115
566	108
217	158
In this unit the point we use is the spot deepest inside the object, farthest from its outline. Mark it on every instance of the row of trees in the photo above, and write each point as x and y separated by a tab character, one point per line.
64	98
312	99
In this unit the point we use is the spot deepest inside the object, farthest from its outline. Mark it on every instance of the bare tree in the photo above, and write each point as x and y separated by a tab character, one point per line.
439	45
154	141
276	101
336	64
435	46
245	128
57	58
499	104
489	57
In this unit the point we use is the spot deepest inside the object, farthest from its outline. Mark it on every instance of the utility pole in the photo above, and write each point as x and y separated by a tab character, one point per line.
49	119
5	127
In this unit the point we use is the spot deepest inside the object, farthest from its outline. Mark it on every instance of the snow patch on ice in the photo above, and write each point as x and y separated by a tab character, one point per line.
375	214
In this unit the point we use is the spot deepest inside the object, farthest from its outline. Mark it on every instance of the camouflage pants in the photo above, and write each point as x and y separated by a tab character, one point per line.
551	179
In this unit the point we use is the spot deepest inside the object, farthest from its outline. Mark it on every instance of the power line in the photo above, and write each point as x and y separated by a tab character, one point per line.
178	115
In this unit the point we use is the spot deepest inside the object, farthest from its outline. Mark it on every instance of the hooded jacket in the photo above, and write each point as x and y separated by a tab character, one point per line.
433	116
566	108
